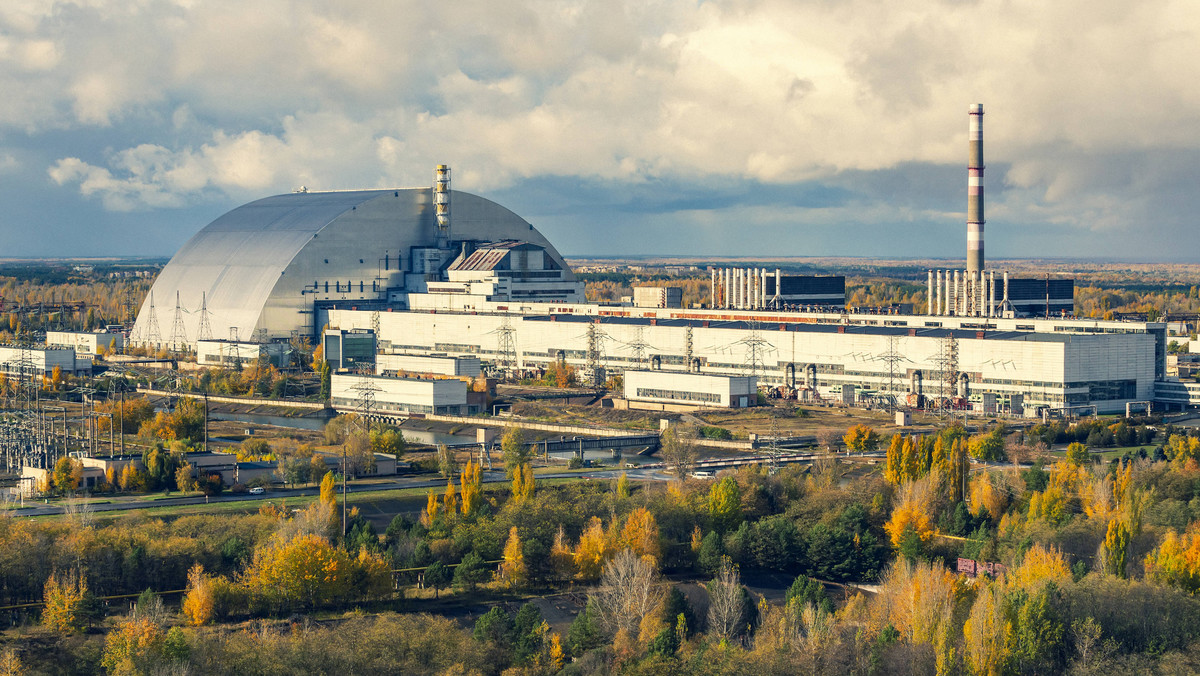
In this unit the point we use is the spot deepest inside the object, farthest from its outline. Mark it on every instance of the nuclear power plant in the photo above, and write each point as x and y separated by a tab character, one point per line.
436	273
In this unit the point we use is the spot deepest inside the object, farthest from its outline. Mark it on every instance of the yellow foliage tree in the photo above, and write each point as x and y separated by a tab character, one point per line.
912	512
562	559
522	483
985	497
450	500
199	603
513	571
910	460
1040	565
431	508
861	438
987	634
1176	561
307	571
131	645
593	550
470	482
329	490
640	535
66	602
893	470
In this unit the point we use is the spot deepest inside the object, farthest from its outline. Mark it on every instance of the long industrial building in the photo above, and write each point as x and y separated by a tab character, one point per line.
481	282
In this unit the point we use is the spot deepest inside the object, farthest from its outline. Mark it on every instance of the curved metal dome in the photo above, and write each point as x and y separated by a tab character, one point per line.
261	267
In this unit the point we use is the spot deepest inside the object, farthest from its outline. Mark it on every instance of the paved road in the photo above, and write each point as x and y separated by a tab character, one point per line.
373	487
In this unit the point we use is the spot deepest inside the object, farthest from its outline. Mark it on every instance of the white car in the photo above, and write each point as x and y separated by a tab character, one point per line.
257	490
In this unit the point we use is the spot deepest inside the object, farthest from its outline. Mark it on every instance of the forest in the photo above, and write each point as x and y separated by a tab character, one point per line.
668	576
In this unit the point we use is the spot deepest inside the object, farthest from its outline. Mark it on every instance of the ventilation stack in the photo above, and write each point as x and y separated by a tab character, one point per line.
975	191
441	204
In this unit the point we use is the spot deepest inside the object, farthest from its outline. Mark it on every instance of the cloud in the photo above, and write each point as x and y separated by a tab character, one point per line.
1092	107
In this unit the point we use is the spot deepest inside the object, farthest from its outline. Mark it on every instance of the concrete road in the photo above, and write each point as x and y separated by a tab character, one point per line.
33	509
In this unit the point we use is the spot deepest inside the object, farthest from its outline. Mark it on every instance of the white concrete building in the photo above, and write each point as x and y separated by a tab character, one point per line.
227	353
657	296
399	396
1050	362
691	389
17	361
85	343
388	364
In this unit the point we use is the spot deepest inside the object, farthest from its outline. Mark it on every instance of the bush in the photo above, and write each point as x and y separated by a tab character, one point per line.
718	433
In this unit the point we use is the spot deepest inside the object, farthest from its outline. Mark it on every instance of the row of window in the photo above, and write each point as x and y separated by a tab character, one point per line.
677	395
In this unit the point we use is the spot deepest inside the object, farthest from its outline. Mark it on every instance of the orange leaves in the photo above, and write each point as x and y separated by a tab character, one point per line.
1176	561
308	571
199	604
912	512
987	497
640	535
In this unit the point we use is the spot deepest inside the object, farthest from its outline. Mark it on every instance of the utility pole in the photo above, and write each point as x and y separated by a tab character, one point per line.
343	491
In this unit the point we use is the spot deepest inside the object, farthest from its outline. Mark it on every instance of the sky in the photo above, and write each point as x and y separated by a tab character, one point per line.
741	128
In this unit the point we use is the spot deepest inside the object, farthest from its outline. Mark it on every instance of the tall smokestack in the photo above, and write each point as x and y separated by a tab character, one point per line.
441	203
975	191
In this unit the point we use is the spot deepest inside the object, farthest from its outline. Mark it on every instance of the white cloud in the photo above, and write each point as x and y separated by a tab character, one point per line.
284	92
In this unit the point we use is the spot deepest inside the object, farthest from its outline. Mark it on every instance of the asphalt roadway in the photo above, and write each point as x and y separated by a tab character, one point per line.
373	487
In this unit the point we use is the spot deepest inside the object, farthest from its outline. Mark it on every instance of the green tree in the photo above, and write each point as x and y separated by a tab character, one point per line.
326	380
68	473
436	576
471	572
725	505
516	452
1077	454
1115	550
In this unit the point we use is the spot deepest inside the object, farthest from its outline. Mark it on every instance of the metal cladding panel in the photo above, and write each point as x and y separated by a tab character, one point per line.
262	265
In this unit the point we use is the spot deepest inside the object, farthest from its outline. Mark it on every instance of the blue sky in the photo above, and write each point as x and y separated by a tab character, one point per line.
664	127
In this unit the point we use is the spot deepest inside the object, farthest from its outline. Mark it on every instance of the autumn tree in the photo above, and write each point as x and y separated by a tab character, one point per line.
469	482
628	592
450	499
593	550
640	535
513	571
134	646
678	451
1176	561
522	483
68	604
987	633
199	602
913	512
68	474
725	505
861	439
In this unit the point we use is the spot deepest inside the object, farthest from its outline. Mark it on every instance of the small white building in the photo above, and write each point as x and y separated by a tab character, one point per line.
85	343
17	360
227	353
387	364
399	396
691	389
657	296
